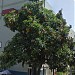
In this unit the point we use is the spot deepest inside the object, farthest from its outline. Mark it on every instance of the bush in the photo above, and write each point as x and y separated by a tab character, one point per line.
61	73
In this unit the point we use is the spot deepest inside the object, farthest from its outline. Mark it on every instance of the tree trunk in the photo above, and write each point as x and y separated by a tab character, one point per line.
36	70
70	71
29	70
53	71
43	70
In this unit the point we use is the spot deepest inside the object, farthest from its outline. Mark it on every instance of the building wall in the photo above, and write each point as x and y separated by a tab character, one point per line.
47	5
72	34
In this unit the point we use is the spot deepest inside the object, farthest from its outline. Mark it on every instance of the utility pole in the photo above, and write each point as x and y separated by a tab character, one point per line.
44	3
2	8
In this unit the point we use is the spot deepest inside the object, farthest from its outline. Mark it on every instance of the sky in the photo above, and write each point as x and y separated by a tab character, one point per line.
68	10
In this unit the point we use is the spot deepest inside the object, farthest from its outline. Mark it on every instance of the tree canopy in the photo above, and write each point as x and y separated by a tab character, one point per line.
42	37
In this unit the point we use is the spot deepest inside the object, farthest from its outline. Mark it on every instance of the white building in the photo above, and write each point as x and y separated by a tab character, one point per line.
72	34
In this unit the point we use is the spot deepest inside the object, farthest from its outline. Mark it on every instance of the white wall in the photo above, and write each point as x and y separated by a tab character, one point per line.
5	34
47	5
72	34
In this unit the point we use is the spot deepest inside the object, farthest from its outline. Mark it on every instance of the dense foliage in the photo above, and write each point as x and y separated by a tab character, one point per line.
42	37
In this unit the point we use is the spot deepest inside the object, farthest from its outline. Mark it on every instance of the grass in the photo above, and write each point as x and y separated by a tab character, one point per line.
61	73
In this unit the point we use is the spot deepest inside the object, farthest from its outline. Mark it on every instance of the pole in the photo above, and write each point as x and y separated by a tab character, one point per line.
2	8
29	70
44	3
43	70
53	71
